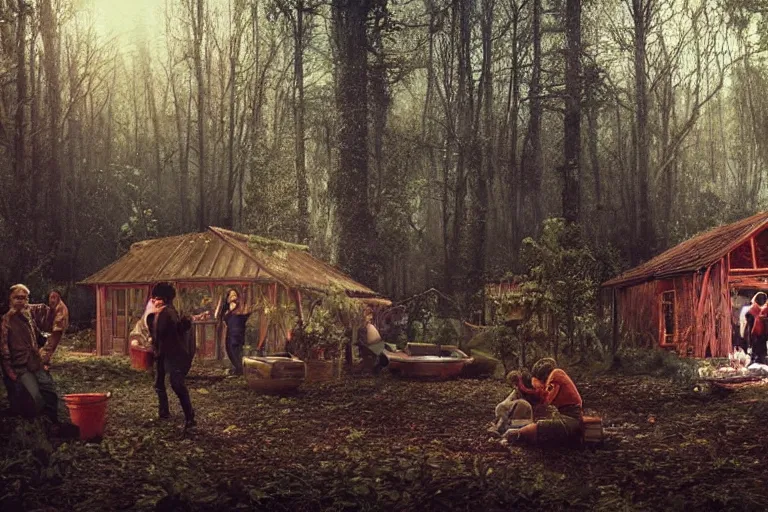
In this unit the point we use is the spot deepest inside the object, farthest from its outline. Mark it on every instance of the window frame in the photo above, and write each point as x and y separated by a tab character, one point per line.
668	340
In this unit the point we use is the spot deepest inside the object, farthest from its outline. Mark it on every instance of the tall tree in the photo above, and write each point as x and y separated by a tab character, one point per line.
642	15
532	152
197	18
20	174
49	32
351	181
572	118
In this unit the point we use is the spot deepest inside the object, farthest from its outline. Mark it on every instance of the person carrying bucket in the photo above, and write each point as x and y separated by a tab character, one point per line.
31	388
173	357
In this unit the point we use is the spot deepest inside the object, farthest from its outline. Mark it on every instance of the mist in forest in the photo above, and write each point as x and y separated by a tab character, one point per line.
415	144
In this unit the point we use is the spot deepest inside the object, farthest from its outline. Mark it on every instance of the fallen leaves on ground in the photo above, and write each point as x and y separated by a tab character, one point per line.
371	443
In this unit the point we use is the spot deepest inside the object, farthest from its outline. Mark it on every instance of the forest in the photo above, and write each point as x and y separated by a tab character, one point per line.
431	146
414	144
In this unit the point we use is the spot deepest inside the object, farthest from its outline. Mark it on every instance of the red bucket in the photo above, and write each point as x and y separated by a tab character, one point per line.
89	412
142	359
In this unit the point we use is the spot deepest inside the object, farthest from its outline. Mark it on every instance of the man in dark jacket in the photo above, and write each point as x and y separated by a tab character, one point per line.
31	388
173	357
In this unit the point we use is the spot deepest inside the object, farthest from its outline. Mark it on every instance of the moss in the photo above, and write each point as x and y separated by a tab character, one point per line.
267	244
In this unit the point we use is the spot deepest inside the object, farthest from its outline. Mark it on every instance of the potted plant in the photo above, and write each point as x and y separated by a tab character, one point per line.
314	343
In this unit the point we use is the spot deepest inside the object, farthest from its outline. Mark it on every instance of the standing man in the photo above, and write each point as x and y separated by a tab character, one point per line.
23	364
172	354
51	318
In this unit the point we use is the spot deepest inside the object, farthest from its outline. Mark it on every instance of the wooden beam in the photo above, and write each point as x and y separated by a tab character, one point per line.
99	315
699	332
754	255
615	320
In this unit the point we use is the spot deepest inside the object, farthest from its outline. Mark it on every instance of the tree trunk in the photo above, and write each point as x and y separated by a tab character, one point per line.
50	36
465	129
351	182
198	30
183	138
302	187
572	119
514	183
642	11
234	52
484	173
534	159
35	144
20	174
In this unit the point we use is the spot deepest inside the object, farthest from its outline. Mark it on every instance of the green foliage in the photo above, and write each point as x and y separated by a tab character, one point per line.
270	196
82	341
321	332
33	459
655	362
429	320
562	281
337	314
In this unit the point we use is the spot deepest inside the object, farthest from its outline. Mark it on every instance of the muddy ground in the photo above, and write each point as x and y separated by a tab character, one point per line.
380	443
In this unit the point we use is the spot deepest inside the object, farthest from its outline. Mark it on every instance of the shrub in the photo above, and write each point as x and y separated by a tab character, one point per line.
656	363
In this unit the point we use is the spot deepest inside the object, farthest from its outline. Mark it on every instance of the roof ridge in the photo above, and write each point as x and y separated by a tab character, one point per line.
224	234
645	270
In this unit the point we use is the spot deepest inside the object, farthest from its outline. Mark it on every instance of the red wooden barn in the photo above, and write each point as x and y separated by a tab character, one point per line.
274	277
683	299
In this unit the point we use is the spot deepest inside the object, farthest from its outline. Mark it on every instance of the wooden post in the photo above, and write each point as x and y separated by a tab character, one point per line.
299	308
614	320
99	314
699	340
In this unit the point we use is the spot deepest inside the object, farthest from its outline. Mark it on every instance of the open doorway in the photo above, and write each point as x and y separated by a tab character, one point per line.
741	301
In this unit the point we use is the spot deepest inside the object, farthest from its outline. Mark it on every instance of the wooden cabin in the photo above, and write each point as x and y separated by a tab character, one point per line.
277	279
683	299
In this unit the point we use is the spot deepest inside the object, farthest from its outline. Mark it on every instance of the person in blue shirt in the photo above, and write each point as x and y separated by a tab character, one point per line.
233	314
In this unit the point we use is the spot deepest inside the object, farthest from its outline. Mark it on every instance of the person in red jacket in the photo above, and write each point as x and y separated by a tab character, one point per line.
557	389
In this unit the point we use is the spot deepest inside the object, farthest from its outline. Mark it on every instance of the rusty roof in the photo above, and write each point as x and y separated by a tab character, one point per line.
693	254
221	255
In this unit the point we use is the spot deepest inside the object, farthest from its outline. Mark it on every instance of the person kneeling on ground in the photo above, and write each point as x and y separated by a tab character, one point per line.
558	390
171	352
31	389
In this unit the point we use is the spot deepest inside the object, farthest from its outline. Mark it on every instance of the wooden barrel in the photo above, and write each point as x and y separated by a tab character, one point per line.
319	370
274	374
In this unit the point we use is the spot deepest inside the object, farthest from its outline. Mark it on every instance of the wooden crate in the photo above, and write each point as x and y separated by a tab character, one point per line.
273	374
319	370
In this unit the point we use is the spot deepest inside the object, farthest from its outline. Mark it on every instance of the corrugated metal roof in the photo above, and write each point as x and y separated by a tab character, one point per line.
693	254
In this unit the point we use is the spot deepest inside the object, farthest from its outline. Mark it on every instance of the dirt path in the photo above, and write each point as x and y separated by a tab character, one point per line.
380	443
